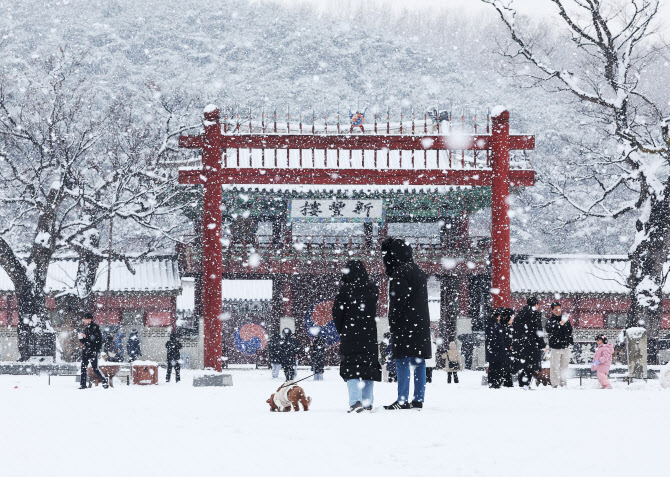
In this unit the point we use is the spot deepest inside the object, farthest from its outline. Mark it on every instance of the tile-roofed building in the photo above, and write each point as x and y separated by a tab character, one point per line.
159	274
591	289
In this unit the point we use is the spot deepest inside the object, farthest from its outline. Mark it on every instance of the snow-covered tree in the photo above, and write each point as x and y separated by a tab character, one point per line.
606	56
69	166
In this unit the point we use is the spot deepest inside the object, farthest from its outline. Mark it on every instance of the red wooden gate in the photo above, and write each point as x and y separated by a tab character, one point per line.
216	143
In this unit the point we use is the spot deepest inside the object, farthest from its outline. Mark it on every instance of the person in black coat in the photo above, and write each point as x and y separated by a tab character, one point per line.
91	340
559	330
497	349
409	320
318	353
528	342
289	350
133	346
111	349
274	354
354	316
467	346
173	356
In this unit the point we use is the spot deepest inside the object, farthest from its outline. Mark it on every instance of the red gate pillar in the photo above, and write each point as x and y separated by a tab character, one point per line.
212	268
500	229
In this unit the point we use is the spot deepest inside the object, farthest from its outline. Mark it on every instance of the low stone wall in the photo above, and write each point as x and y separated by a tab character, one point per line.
9	350
153	344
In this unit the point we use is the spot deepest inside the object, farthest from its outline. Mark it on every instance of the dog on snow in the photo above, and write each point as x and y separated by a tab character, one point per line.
289	395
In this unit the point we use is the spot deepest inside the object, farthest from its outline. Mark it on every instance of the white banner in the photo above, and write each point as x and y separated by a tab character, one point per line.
337	210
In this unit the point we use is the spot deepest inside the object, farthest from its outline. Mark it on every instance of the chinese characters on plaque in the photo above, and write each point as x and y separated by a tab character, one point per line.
337	210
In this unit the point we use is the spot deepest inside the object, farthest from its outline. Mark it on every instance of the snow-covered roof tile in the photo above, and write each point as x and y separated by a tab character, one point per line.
151	274
570	274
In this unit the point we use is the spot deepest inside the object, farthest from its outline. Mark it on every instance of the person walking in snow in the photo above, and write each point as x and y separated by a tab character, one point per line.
602	360
318	354
133	346
559	330
452	359
173	356
91	340
409	321
354	316
528	342
274	354
289	350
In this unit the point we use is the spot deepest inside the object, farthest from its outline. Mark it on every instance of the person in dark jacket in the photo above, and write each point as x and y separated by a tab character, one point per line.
559	330
91	340
409	320
274	354
173	356
468	342
118	339
498	343
354	316
318	353
133	346
528	342
111	350
289	350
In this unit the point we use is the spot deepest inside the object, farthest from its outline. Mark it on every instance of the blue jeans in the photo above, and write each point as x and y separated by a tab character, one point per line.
276	367
403	369
360	390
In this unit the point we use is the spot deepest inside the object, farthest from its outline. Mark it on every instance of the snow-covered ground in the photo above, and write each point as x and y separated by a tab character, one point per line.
465	430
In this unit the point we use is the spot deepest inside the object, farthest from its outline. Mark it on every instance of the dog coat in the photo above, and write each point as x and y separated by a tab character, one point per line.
281	397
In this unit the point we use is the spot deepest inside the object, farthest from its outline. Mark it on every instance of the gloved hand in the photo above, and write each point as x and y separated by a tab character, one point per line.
596	361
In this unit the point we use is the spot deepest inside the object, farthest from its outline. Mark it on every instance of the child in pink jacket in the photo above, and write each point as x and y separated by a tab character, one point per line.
602	361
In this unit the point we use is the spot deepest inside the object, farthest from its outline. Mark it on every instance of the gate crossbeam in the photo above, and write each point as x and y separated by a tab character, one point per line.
460	177
455	142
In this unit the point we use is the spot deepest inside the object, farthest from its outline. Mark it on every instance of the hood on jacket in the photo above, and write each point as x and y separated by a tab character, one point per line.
354	273
396	252
286	333
609	346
